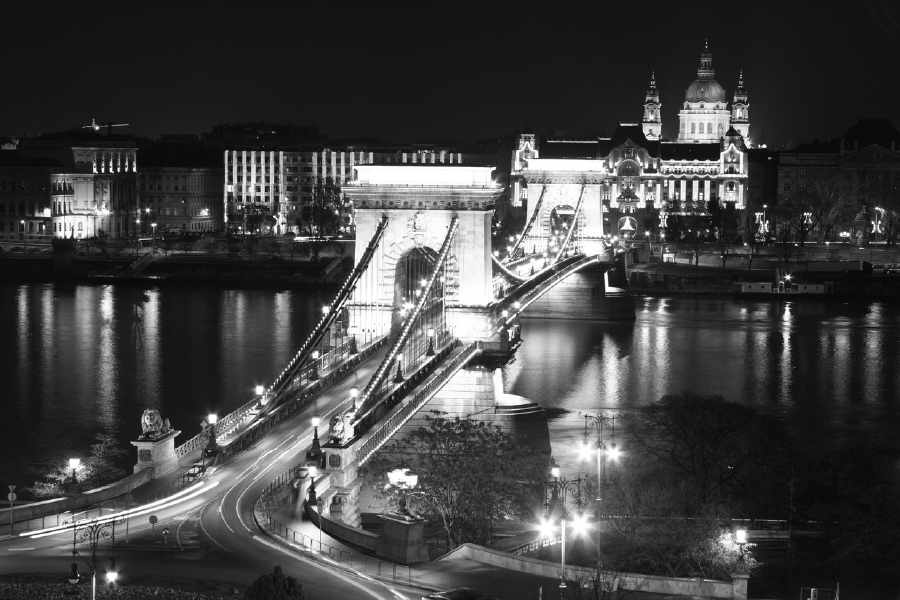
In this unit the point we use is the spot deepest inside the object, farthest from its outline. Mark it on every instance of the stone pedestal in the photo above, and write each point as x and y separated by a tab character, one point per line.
341	464
739	583
402	541
157	453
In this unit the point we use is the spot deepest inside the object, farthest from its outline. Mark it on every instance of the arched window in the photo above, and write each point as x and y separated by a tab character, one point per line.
693	128
709	129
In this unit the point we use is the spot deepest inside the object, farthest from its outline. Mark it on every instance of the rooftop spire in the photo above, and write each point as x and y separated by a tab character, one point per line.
705	70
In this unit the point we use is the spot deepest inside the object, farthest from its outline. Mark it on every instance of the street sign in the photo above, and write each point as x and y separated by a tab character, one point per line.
11	496
12	488
153	520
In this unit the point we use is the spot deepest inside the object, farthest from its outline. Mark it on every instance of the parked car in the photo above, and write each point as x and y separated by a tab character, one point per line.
460	594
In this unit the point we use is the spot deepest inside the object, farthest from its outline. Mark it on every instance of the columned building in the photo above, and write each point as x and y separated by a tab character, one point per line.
629	183
94	193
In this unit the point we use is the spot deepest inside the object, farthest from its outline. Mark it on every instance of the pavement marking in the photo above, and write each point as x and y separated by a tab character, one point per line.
18	549
207	533
335	573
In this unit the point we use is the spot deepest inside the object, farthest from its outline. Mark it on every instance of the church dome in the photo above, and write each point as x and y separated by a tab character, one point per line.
705	90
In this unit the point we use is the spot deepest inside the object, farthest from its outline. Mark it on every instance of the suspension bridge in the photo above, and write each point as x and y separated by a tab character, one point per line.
437	311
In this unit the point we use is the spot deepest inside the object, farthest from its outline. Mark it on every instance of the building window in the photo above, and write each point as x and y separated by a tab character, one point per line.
787	186
802	173
693	128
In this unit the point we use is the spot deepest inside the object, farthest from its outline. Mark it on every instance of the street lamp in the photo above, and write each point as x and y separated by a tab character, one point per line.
559	488
603	453
92	533
740	538
313	471
212	447
354	394
430	334
398	378
314	374
354	346
404	480
74	463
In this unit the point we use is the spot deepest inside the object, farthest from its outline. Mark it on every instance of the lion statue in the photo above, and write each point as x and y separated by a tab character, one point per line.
341	430
153	424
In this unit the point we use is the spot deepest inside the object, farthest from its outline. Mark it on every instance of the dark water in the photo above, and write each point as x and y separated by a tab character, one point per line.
831	371
77	359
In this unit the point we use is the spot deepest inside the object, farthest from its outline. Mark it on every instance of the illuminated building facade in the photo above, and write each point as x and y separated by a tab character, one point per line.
277	177
186	199
627	179
90	186
860	171
632	180
705	116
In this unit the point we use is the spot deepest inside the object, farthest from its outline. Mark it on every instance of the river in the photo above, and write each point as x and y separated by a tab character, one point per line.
78	359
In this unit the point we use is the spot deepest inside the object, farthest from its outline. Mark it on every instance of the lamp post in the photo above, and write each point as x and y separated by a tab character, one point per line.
404	480
559	488
92	532
354	394
153	241
430	334
398	378
354	345
314	374
212	447
72	481
597	422
740	538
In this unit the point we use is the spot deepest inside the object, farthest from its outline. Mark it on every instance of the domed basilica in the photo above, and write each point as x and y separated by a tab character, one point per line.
627	184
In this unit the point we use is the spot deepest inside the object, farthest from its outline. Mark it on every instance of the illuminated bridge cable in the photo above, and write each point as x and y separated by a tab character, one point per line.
562	247
534	214
334	310
506	272
370	394
519	299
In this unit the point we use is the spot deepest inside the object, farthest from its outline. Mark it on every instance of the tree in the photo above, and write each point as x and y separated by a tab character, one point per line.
821	200
670	529
95	471
275	586
723	223
322	215
727	450
471	476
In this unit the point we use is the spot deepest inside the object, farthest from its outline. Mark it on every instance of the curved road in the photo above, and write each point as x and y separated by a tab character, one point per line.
220	506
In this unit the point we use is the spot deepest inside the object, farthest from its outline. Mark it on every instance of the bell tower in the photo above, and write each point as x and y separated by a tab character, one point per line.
740	110
652	123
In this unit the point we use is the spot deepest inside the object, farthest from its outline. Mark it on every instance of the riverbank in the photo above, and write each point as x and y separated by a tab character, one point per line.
668	279
180	269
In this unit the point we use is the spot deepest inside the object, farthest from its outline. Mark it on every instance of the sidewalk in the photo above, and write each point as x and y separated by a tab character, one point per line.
445	573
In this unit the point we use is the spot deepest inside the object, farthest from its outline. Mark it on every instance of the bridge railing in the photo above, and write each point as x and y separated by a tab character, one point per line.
326	365
264	508
427	391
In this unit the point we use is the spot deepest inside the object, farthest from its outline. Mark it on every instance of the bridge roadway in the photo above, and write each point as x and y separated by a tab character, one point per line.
233	549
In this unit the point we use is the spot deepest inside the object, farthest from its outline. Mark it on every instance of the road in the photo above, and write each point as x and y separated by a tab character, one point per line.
227	547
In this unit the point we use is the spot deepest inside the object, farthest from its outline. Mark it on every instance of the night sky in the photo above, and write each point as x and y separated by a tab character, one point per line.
441	69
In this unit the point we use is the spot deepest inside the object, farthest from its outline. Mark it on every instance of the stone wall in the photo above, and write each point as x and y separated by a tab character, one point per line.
36	510
677	586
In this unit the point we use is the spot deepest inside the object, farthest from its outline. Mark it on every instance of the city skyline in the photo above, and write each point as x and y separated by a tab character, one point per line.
448	73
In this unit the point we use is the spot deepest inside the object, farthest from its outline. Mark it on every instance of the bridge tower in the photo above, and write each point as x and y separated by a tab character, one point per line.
420	201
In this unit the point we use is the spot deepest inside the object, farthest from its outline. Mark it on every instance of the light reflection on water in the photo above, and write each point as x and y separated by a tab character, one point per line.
75	358
830	370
